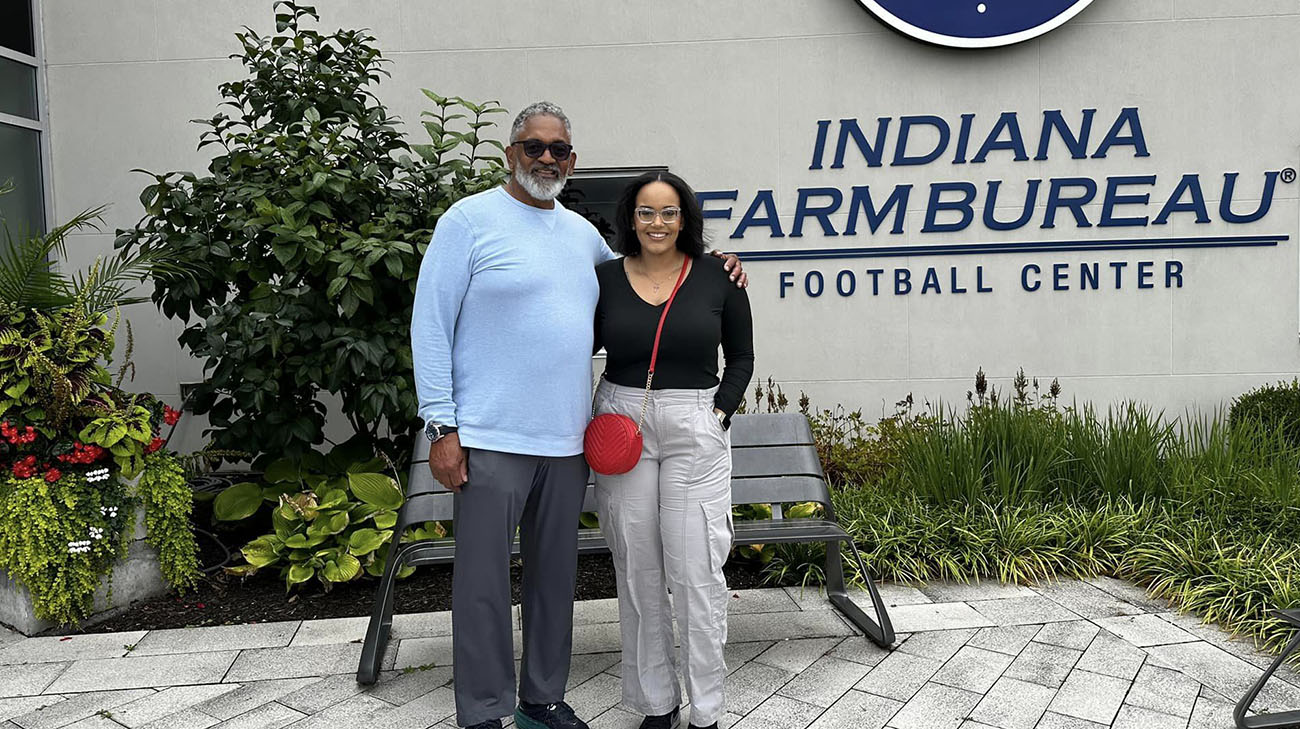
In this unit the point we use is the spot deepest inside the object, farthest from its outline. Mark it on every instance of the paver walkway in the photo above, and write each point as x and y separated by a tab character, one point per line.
1067	655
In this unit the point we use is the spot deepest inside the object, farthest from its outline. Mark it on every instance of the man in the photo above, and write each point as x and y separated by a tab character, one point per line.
501	335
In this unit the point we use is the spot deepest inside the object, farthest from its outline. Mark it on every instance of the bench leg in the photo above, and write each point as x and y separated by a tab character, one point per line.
380	626
1279	720
881	630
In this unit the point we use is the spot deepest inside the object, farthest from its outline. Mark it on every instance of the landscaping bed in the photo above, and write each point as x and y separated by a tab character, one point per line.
227	600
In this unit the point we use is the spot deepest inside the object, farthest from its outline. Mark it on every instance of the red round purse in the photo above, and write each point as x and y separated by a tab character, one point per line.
612	442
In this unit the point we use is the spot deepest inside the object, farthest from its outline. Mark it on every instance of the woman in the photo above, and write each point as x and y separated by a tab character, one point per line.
668	520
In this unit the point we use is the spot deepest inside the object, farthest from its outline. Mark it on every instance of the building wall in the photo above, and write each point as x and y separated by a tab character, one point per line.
728	93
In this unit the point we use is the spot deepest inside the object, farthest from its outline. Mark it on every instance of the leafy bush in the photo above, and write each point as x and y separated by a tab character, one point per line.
1272	407
307	233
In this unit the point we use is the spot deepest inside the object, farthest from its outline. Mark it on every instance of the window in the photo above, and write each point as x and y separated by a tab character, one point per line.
594	194
22	123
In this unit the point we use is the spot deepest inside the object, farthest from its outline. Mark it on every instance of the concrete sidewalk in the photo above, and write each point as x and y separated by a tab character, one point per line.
1066	655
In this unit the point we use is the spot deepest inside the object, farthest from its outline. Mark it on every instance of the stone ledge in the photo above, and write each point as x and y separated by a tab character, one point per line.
137	577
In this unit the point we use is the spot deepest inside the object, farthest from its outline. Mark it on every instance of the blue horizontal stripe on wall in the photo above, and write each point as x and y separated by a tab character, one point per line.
965	249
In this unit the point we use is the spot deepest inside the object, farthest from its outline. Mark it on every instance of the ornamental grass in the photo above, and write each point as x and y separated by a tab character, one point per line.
1202	510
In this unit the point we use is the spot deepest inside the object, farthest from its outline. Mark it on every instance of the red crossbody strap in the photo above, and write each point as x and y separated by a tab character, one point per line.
654	354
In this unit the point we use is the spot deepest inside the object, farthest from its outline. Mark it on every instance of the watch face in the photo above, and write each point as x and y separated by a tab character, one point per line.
431	431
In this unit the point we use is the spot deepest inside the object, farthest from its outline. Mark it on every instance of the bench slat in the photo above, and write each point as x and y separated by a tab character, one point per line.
758	531
775	461
770	429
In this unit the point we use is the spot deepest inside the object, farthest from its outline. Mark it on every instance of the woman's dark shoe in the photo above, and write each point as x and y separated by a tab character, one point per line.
671	720
489	724
714	725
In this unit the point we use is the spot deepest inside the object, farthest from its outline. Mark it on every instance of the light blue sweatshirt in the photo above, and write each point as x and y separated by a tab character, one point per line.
501	333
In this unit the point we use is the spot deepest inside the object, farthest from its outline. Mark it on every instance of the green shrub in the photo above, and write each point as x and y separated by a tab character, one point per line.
1273	407
307	233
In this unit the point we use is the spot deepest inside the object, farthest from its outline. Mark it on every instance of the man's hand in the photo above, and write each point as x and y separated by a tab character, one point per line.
731	262
447	462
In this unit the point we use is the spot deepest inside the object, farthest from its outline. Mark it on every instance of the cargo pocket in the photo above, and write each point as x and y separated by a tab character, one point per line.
610	514
717	518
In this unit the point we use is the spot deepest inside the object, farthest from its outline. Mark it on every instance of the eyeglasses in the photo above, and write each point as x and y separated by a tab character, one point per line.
535	147
647	215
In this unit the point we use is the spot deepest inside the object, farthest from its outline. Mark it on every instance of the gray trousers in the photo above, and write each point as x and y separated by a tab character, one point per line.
543	498
668	524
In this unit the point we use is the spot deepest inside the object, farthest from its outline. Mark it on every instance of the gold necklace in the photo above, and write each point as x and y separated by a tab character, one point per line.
653	281
657	284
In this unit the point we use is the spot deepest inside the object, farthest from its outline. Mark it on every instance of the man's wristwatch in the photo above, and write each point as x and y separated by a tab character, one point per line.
435	432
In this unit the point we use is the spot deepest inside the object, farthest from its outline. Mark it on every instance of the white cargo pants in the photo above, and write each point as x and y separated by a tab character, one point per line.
668	524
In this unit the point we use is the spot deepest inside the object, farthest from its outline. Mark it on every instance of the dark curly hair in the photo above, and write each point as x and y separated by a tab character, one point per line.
690	240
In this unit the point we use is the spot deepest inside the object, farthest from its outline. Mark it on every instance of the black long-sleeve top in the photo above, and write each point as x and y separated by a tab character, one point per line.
709	311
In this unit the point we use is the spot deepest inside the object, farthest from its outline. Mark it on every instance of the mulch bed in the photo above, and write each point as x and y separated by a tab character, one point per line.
226	600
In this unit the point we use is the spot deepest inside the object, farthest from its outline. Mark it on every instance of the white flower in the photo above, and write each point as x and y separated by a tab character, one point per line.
99	474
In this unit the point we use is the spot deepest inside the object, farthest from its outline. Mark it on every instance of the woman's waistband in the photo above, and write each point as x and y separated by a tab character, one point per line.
663	397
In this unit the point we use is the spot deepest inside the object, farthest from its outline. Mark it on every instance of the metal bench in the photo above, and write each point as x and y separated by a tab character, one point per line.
1282	719
774	461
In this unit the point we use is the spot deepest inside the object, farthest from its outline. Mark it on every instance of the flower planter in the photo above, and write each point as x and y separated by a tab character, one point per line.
134	578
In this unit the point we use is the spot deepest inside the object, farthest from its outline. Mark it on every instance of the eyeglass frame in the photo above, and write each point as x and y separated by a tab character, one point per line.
676	215
564	148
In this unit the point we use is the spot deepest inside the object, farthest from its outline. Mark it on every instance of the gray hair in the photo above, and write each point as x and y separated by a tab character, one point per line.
539	108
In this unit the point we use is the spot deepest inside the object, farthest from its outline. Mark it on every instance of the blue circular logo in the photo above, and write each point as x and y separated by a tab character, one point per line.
974	23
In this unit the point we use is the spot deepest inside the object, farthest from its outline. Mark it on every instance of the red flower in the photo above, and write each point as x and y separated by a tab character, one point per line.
15	436
154	445
170	416
25	467
52	475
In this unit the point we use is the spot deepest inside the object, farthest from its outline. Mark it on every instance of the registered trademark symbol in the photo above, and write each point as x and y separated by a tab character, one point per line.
1288	174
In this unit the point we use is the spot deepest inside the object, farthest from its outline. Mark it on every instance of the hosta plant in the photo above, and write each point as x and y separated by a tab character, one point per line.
332	516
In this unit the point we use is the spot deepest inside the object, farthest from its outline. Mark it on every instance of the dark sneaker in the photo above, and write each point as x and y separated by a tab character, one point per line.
671	720
714	725
547	716
489	724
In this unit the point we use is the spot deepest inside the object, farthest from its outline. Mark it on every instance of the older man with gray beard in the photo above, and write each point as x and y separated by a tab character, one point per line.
502	338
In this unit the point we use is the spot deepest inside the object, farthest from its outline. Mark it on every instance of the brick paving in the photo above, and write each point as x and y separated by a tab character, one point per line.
1065	655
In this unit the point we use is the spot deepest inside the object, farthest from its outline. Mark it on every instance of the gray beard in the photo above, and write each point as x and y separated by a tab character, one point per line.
539	188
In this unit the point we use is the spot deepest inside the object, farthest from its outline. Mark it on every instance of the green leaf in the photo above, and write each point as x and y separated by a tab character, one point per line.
342	569
299	573
332	498
386	519
282	470
365	541
332	291
376	489
261	552
237	502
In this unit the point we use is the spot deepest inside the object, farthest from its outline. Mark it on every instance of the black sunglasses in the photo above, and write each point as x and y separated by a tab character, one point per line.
535	147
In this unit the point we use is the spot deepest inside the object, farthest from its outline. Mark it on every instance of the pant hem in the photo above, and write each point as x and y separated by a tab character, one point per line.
642	710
